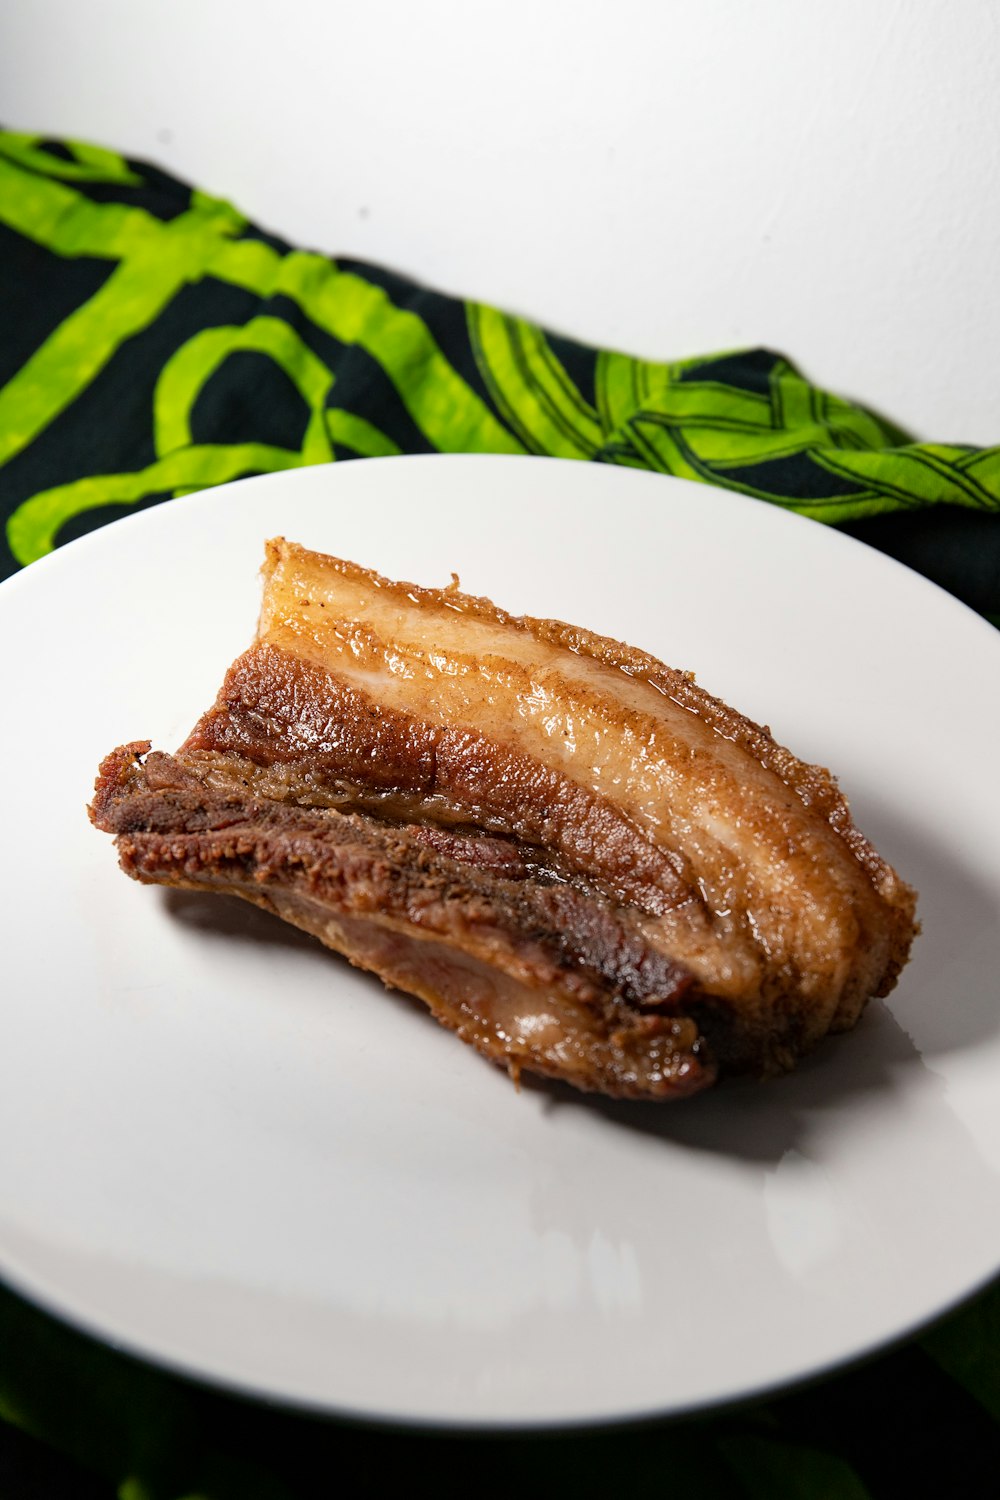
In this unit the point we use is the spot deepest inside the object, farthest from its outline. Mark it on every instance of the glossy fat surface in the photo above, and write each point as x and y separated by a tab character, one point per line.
578	859
784	903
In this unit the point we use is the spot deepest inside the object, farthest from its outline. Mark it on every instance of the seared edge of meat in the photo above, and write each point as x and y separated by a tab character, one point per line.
531	971
582	862
744	859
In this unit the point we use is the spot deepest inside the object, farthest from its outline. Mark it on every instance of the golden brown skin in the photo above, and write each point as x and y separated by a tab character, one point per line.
606	773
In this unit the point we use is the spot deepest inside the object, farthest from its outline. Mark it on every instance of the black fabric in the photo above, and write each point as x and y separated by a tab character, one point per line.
38	290
749	370
957	549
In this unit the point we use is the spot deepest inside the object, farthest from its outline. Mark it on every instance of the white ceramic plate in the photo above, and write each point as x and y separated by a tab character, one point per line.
223	1148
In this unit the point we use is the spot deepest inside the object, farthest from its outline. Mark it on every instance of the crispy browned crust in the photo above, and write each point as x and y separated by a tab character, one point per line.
339	737
815	787
730	878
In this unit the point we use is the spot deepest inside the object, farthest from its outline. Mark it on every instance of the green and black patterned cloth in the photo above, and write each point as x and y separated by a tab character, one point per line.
154	342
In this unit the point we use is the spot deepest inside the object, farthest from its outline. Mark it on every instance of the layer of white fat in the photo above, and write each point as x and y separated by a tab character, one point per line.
753	847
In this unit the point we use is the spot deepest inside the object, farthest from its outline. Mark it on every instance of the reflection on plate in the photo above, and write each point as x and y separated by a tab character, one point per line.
223	1148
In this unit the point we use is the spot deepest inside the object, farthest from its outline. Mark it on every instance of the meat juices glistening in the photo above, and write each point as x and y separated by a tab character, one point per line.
584	864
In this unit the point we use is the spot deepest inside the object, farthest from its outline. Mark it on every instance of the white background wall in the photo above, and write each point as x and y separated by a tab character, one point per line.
669	178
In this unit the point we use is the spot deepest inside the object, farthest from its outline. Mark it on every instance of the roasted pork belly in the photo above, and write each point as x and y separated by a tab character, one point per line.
583	863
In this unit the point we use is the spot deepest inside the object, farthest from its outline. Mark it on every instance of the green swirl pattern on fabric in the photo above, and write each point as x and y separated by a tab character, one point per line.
252	356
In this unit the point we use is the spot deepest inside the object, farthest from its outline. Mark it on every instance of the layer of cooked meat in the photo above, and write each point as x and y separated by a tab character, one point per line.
581	861
530	969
